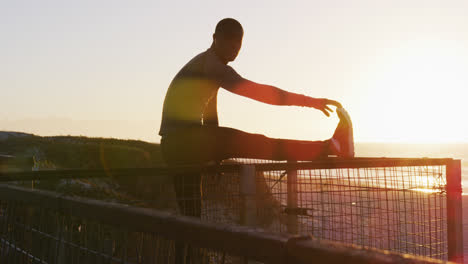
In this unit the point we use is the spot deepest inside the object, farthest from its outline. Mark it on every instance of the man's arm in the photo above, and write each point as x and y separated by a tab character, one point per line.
272	95
230	80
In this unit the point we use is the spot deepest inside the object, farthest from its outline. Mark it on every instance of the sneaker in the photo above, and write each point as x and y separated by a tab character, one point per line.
343	136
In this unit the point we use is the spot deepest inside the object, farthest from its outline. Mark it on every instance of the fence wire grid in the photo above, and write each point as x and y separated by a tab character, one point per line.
32	234
401	208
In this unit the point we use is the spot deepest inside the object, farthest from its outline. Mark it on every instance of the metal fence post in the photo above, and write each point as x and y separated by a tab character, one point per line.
247	188
454	211
292	201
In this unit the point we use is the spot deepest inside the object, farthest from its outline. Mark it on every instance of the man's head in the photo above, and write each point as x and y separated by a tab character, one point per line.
227	39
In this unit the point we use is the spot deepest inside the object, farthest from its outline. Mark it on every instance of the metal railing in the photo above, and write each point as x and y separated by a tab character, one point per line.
45	227
403	205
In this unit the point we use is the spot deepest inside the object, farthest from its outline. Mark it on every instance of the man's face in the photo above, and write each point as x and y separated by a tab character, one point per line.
227	48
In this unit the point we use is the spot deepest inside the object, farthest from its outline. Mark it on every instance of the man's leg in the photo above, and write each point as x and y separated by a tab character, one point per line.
188	192
197	145
236	143
246	145
188	195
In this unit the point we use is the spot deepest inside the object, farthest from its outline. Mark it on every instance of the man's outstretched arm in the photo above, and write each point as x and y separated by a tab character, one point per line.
272	95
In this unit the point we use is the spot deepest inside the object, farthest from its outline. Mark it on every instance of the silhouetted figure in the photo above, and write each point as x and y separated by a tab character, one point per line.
190	131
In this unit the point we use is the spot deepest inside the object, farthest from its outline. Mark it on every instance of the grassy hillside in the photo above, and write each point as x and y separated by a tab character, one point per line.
78	152
25	152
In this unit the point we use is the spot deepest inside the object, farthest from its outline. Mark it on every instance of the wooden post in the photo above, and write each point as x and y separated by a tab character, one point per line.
454	211
247	190
292	201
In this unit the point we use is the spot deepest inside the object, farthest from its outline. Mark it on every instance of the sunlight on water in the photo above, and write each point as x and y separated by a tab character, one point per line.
425	190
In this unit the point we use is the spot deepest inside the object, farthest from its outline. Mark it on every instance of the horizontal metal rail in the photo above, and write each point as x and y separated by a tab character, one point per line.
354	163
21	251
330	163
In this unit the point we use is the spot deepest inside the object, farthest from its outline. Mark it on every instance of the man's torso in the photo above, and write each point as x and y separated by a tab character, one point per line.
192	95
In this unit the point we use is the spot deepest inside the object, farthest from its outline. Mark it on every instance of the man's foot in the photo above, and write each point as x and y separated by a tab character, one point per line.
342	142
334	147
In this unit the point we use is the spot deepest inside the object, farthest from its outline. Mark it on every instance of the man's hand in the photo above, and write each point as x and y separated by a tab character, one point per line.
322	105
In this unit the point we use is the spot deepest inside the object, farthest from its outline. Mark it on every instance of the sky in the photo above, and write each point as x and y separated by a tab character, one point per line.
101	68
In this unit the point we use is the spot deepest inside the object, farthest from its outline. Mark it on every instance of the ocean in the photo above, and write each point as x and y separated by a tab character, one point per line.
401	150
452	150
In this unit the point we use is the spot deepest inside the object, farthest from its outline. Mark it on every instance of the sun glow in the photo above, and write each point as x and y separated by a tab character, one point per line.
418	94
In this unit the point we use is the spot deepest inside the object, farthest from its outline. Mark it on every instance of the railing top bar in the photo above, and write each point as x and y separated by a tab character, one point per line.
123	172
332	163
329	163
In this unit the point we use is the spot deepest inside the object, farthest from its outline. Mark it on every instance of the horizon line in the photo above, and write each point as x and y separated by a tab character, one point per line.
356	142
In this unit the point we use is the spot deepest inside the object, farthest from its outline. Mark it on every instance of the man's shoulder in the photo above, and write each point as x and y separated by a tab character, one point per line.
194	67
206	63
197	60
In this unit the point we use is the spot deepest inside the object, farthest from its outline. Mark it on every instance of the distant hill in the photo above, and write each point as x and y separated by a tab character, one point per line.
8	134
76	152
21	151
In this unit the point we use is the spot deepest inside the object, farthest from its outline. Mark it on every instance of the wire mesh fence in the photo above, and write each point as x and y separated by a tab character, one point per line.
45	227
402	209
43	234
402	205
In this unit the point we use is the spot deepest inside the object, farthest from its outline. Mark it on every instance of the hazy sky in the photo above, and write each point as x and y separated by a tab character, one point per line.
101	68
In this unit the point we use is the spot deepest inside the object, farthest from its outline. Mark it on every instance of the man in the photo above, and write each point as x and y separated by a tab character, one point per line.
190	131
189	127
